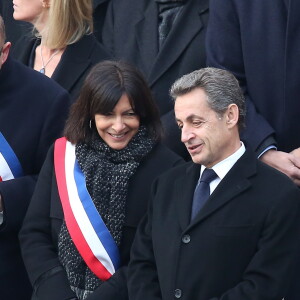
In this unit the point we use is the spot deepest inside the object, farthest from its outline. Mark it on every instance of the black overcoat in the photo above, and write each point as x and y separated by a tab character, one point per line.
241	246
75	63
43	221
33	109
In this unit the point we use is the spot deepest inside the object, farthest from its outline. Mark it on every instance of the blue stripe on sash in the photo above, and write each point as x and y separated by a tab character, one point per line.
95	218
10	157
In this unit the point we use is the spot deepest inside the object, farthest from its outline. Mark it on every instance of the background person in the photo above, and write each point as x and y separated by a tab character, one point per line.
33	110
65	48
163	39
113	134
259	42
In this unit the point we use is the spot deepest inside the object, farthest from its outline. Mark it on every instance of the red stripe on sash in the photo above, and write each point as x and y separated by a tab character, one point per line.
83	248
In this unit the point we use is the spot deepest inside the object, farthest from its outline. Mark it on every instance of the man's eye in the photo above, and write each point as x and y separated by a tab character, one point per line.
180	126
198	123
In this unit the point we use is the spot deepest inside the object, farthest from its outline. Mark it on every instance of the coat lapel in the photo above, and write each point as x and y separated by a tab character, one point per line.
184	192
146	34
98	2
186	27
74	62
234	183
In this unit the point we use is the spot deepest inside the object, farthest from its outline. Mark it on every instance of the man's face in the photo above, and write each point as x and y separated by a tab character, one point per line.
207	136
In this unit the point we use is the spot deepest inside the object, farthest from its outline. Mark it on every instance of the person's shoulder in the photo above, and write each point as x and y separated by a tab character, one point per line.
34	86
165	155
37	80
270	174
93	48
181	168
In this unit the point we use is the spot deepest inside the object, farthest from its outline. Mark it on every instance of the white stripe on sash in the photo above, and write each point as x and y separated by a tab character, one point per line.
80	214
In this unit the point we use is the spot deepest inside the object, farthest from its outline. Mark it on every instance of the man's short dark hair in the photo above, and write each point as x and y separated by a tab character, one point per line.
220	86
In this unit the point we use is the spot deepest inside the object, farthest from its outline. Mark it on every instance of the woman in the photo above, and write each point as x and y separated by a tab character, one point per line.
112	138
64	47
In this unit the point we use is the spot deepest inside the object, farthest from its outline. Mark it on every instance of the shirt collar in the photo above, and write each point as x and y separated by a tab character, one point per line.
224	166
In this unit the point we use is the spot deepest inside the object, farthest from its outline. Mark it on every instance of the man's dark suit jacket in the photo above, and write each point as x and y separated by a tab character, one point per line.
75	63
259	41
33	109
130	32
241	245
39	235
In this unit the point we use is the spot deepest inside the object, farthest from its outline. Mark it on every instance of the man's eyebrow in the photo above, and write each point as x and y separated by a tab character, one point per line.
190	117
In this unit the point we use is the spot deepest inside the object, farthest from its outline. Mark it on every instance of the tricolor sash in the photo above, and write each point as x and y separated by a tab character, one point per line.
10	166
85	225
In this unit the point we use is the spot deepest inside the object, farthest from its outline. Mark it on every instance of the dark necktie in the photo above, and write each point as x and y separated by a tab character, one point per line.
202	191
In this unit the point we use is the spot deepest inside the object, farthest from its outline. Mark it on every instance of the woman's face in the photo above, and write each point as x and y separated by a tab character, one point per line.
27	10
119	126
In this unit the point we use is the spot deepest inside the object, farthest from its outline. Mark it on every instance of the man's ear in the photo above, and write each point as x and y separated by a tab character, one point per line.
232	115
5	52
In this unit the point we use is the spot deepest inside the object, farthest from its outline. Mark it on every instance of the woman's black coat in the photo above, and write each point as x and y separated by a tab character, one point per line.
39	235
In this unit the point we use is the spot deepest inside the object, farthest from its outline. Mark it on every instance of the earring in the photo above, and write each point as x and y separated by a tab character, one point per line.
90	124
45	4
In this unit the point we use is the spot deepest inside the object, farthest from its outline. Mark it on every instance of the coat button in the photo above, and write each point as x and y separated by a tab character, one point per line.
186	239
178	293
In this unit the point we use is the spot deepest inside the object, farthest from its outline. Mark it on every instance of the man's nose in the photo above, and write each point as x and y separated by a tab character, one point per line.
186	134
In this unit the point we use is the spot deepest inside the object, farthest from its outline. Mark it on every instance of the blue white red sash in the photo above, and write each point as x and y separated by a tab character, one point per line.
85	225
10	166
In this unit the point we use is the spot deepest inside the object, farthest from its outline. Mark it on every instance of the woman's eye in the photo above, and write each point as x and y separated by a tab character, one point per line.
132	113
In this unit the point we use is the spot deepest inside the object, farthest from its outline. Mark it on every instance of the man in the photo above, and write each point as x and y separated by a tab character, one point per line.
259	42
165	40
33	109
241	244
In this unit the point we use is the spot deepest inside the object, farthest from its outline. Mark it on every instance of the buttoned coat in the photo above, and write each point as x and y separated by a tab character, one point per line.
39	235
134	37
241	245
75	63
33	109
259	42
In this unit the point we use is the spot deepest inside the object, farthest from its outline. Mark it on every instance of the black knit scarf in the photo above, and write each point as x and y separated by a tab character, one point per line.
107	173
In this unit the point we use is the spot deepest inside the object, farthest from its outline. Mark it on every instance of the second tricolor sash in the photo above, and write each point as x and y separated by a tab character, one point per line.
85	225
10	166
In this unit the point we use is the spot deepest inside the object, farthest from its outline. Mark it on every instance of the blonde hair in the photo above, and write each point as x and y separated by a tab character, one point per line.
68	22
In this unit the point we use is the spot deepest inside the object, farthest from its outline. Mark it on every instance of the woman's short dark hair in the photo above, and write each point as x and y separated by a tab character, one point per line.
101	91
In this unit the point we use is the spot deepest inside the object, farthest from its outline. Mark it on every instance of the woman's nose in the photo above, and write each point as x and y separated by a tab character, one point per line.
118	124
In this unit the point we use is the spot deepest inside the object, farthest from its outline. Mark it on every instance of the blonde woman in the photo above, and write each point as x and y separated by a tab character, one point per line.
63	46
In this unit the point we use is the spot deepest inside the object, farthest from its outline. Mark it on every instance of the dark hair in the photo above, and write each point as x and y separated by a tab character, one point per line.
220	86
101	91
